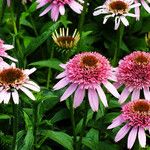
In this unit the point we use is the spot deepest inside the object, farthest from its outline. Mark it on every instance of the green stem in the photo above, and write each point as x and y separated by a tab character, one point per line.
32	21
15	125
73	124
82	17
35	123
119	34
16	33
83	124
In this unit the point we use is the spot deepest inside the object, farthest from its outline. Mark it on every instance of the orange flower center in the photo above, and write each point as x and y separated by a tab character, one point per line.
65	39
141	60
141	106
89	61
11	76
119	7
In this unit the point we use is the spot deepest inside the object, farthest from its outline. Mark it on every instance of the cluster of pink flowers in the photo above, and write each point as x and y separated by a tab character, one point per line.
13	79
88	71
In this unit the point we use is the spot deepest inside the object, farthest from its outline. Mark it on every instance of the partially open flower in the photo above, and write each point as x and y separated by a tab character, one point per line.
64	40
134	73
4	48
13	79
87	72
136	116
119	9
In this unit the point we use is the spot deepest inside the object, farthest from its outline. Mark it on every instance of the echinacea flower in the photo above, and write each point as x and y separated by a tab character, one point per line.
64	40
119	9
4	48
58	6
87	72
12	80
134	73
136	116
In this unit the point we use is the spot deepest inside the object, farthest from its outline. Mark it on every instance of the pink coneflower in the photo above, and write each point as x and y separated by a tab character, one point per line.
4	48
119	9
13	79
58	6
136	115
87	71
134	72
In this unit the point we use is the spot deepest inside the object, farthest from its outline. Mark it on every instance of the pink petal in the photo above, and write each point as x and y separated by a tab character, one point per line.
142	137
117	85
122	132
135	94
11	58
145	5
116	122
93	99
111	89
76	6
124	95
68	92
61	75
147	93
63	66
132	137
54	12
62	83
78	97
46	10
8	3
7	46
41	3
62	9
29	71
15	97
102	95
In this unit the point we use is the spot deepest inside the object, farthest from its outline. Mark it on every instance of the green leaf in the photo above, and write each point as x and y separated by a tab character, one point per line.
60	137
41	39
51	63
4	116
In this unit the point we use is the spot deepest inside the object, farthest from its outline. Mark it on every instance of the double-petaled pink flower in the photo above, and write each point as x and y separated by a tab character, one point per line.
4	48
134	73
58	7
136	116
87	71
12	80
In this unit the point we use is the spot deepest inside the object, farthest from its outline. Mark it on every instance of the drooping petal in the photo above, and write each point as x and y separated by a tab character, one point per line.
124	95
62	83
68	92
122	132
33	83
62	9
132	137
142	137
7	97
145	5
102	95
54	12
78	97
28	93
124	20
11	58
147	93
41	3
7	46
111	89
116	122
15	97
135	94
93	99
46	10
117	22
31	87
76	6
29	71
